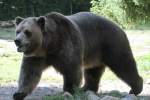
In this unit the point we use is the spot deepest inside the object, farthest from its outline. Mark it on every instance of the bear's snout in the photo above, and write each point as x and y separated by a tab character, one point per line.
17	42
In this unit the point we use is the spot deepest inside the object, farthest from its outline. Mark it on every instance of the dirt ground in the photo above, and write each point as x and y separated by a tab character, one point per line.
47	89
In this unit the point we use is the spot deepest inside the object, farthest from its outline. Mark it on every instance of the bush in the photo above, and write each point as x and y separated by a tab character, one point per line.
126	13
110	9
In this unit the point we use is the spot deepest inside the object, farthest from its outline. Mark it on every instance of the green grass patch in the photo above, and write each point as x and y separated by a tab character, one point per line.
143	63
56	97
9	69
78	95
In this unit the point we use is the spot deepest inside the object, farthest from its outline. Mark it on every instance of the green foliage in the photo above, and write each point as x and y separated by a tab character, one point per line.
79	95
110	9
127	13
137	10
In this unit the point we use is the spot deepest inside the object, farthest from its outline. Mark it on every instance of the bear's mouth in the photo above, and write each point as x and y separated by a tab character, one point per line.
21	48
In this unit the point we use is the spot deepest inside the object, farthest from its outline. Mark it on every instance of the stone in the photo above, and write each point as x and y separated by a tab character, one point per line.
109	98
91	96
67	96
33	98
130	97
123	94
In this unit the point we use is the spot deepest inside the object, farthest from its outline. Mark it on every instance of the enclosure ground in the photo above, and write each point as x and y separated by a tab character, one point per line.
48	89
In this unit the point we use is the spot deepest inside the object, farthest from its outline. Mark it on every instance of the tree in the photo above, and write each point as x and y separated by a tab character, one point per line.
127	13
140	8
110	9
12	8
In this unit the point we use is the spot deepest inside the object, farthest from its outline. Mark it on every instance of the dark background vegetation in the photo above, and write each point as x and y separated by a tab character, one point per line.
12	8
126	13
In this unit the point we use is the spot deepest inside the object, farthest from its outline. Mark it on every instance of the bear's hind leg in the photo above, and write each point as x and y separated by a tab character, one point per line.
92	77
125	68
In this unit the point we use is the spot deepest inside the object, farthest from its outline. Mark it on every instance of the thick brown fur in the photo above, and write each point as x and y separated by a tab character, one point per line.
70	42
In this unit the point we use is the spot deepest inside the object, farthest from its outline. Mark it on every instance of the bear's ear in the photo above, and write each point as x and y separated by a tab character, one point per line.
41	21
18	20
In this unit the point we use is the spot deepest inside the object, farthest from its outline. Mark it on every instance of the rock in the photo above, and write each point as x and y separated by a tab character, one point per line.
7	24
123	94
109	98
5	98
91	95
67	95
33	98
115	93
130	97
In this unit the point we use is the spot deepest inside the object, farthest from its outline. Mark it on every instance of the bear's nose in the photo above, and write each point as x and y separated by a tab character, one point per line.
17	42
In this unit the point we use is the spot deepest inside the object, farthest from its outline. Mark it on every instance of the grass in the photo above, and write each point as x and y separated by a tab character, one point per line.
55	97
78	95
9	65
144	65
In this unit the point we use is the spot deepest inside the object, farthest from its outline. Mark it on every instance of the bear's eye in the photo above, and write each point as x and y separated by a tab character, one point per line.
28	33
17	32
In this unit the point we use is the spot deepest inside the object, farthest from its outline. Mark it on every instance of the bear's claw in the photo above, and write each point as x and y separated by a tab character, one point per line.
19	96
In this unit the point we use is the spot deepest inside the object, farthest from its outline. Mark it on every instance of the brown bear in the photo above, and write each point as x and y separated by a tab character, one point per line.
70	42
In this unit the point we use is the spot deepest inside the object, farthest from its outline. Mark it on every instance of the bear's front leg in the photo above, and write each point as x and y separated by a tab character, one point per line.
72	78
30	74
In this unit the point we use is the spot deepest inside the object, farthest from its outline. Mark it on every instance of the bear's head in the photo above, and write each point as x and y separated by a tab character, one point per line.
37	33
28	34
